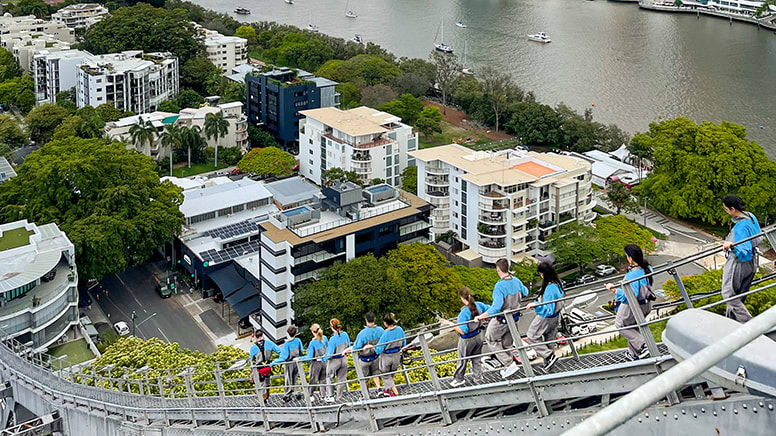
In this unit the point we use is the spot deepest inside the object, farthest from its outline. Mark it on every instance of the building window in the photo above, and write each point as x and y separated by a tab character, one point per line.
389	161
311	151
456	226
311	161
463	232
455	214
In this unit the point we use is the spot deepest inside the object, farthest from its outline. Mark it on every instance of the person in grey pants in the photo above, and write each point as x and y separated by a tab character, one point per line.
315	351
469	338
337	365
544	327
637	270
389	349
741	264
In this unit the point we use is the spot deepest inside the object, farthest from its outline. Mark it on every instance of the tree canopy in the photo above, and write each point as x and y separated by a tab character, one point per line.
338	174
409	180
108	201
429	122
43	120
362	70
412	281
406	107
695	165
267	161
621	198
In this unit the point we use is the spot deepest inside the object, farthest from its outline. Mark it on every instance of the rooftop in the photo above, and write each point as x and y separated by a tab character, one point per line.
503	168
354	122
6	170
28	252
292	190
214	198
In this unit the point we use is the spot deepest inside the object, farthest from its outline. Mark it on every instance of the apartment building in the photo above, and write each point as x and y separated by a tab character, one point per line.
80	15
315	228
225	52
371	143
24	47
26	36
54	72
38	283
131	80
236	134
29	24
277	98
503	204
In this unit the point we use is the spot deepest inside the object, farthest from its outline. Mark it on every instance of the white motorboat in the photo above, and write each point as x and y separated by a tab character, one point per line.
357	39
289	1
242	11
539	37
461	24
348	12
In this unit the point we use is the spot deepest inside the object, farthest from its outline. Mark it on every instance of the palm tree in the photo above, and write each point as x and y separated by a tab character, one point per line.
143	132
192	136
216	126
171	137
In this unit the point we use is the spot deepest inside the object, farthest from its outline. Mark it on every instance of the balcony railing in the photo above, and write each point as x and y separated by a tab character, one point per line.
437	181
361	157
493	218
376	143
437	193
494	205
497	231
437	170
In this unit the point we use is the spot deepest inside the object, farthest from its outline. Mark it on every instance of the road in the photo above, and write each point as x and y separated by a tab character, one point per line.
134	289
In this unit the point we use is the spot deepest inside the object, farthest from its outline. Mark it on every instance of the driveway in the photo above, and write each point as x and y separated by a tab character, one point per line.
166	319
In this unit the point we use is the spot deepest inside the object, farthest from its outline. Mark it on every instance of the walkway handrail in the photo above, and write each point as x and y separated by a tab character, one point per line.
645	396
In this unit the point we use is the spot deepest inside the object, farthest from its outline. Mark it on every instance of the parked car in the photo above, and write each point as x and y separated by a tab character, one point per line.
568	283
220	173
587	278
604	270
122	329
235	172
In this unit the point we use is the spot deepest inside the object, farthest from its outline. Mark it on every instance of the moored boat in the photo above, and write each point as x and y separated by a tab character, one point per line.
242	11
539	37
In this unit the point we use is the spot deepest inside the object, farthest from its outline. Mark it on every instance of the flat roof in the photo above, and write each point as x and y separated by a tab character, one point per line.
292	190
29	252
6	170
352	122
13	238
534	169
213	198
278	235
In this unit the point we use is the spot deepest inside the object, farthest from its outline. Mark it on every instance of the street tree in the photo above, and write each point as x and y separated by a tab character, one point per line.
43	120
575	244
694	165
108	201
11	135
621	198
267	161
216	127
448	69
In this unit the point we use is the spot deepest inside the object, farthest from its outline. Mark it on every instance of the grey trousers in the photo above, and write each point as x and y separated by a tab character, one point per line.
625	318
336	368
468	351
317	375
370	369
736	279
292	377
543	329
389	363
498	338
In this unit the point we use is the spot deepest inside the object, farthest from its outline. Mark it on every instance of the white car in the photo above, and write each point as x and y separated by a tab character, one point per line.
121	328
604	270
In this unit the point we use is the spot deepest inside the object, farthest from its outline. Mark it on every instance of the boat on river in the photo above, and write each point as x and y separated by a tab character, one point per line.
289	1
242	11
461	24
349	12
539	37
357	39
441	46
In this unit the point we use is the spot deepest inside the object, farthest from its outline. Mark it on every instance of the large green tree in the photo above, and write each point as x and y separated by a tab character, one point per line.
11	135
9	66
447	69
406	107
362	70
620	197
267	161
535	124
260	138
409	179
695	165
429	122
43	120
575	245
613	233
143	27
332	175
108	201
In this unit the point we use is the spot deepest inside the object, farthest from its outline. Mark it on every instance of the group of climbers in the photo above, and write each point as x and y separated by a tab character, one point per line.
379	349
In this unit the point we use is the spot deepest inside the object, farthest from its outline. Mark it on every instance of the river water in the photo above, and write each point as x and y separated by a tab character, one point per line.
631	66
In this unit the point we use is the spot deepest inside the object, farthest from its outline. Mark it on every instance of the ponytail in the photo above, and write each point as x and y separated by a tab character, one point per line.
635	253
317	331
466	294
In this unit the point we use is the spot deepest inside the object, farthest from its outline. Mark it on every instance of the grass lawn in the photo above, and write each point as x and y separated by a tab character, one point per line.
450	131
620	342
15	238
77	351
198	168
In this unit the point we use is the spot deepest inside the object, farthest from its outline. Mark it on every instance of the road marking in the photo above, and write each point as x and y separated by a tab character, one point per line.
131	293
165	336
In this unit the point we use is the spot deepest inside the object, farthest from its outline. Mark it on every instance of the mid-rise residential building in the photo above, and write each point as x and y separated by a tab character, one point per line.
236	133
277	98
80	15
54	72
6	170
132	80
225	52
25	46
371	143
38	283
316	228
29	24
504	204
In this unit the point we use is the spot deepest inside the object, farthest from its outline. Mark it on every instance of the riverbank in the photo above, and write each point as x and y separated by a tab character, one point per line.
768	22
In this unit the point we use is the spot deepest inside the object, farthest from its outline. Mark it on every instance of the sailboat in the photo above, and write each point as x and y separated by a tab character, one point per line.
441	46
311	26
466	69
349	13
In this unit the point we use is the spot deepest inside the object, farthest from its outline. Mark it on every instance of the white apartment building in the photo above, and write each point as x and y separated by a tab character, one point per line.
236	135
374	144
38	283
80	15
503	205
131	80
29	24
24	47
54	72
225	52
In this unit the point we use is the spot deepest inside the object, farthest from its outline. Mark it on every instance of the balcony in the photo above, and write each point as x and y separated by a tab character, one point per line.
493	218
491	250
376	143
318	257
497	231
437	170
489	204
436	192
434	180
361	157
414	227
